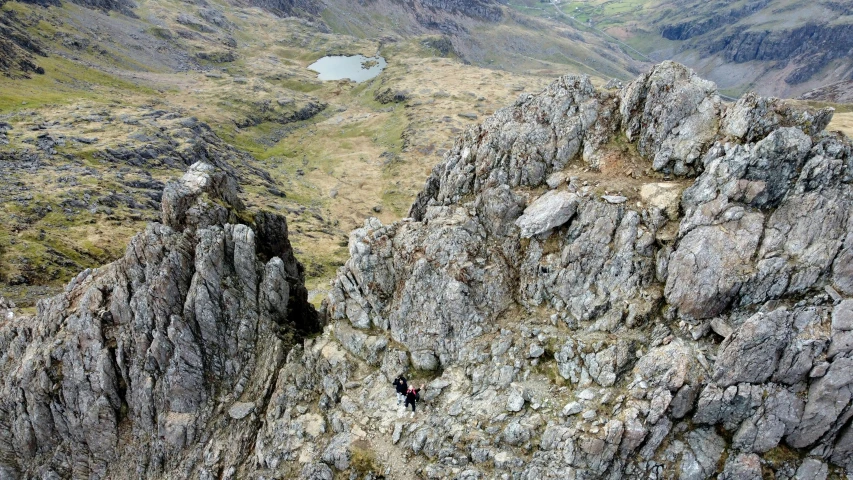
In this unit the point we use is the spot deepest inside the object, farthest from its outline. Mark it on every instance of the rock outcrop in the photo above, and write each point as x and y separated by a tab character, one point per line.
139	363
634	283
811	46
796	43
479	9
17	47
626	297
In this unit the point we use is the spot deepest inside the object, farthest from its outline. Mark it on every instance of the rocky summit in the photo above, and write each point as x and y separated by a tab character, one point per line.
643	282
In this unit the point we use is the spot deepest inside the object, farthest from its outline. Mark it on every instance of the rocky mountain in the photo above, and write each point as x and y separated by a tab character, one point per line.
17	47
101	103
127	192
774	47
803	46
841	92
142	359
473	8
635	283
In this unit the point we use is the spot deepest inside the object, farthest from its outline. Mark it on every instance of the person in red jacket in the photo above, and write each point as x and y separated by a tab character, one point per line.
412	396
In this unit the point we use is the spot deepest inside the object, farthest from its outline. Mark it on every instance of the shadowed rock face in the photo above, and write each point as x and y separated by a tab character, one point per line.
812	46
17	47
141	360
287	8
681	310
690	29
801	39
283	8
480	9
123	6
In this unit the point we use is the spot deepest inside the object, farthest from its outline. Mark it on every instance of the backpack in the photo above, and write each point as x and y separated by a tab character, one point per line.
413	392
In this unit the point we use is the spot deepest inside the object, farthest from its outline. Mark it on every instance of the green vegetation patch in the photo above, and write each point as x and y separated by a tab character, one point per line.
64	82
363	459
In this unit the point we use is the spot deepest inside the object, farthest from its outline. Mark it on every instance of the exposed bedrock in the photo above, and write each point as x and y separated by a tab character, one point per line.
141	361
637	283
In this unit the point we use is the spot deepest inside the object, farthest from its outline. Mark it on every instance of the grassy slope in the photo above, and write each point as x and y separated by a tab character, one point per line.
334	168
355	159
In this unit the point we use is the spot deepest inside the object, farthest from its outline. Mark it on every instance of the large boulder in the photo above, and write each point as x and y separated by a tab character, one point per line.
551	210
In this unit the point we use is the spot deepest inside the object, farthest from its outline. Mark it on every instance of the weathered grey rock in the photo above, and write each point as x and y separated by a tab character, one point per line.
535	351
721	328
752	353
777	417
742	467
842	342
706	449
812	469
587	394
613	84
672	114
752	117
499	208
728	406
668	365
556	179
151	346
572	408
317	471
655	438
606	257
516	433
819	370
182	207
525	143
547	212
337	453
515	402
701	278
842	268
614	199
804	349
827	398
199	370
240	409
842	316
683	401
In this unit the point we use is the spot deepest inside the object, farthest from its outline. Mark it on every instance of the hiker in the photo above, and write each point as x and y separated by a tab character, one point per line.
401	386
412	396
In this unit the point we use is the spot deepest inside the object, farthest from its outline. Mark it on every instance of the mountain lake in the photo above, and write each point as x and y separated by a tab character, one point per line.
355	67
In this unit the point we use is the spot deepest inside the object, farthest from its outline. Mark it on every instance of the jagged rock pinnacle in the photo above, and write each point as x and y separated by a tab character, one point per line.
125	373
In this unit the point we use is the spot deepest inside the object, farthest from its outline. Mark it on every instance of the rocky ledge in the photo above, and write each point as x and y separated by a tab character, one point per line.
636	283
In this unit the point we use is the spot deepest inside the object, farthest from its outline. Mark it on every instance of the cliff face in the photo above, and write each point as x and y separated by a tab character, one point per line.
287	8
721	17
811	47
642	283
772	47
124	6
482	10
